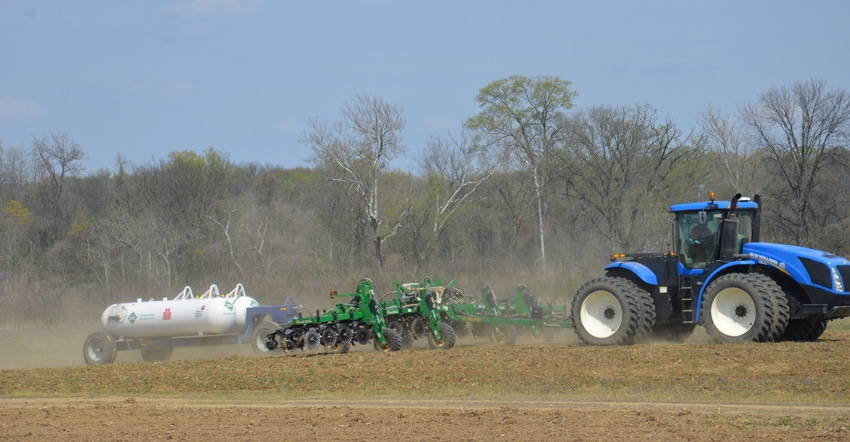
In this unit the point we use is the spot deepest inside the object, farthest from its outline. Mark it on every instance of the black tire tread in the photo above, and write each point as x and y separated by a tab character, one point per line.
634	311
761	291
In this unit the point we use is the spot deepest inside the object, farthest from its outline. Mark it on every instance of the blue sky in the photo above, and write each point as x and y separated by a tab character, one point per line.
145	78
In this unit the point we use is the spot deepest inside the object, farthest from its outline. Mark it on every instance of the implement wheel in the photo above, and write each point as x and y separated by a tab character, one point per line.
503	334
100	349
738	307
393	341
448	340
607	311
260	337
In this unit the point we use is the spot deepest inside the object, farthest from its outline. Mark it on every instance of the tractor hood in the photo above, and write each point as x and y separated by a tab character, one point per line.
807	266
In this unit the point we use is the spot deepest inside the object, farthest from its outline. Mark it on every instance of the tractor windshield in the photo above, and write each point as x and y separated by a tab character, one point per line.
699	235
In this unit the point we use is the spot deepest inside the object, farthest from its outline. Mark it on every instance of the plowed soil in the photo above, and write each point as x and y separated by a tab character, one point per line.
530	391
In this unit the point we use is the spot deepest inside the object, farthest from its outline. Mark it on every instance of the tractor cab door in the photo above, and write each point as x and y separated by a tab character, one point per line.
697	232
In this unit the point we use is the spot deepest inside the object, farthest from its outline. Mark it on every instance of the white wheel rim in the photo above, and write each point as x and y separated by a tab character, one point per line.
733	312
601	314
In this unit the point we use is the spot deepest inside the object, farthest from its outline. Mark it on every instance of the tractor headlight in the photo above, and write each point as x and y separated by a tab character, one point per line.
836	280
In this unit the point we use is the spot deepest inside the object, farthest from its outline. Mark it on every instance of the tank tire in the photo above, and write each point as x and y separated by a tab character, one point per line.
738	307
505	335
393	341
804	330
157	354
100	349
260	337
448	334
610	311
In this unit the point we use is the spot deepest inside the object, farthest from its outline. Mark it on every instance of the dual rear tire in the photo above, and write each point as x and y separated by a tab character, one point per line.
612	311
744	307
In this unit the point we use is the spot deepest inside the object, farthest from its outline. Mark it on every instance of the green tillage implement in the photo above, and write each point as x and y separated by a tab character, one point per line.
358	322
410	311
503	317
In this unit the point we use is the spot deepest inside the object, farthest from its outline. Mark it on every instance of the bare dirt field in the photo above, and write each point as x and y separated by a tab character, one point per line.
556	391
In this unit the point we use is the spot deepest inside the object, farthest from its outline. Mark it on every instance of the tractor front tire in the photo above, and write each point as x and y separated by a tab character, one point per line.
804	330
608	311
738	307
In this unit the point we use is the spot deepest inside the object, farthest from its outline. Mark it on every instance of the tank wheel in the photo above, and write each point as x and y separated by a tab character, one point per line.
448	340
503	334
156	354
260	338
738	307
393	341
100	349
804	330
607	311
311	340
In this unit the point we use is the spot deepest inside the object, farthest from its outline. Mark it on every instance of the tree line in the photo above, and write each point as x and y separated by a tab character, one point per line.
531	191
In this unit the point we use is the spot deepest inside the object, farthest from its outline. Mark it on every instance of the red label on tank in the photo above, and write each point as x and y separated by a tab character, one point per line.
166	315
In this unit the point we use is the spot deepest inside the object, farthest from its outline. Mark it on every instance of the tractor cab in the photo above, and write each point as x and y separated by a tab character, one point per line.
710	232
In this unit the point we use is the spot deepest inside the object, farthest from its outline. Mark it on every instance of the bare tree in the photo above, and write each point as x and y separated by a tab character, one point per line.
726	139
358	150
801	128
56	158
622	160
454	170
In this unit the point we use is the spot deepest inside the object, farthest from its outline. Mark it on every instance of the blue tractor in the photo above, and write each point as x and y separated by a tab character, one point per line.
720	276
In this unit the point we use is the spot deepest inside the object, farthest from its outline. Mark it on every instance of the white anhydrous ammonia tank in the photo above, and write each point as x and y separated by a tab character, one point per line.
185	315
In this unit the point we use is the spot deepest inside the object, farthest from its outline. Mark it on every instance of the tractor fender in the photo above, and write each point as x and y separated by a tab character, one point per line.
731	267
641	271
